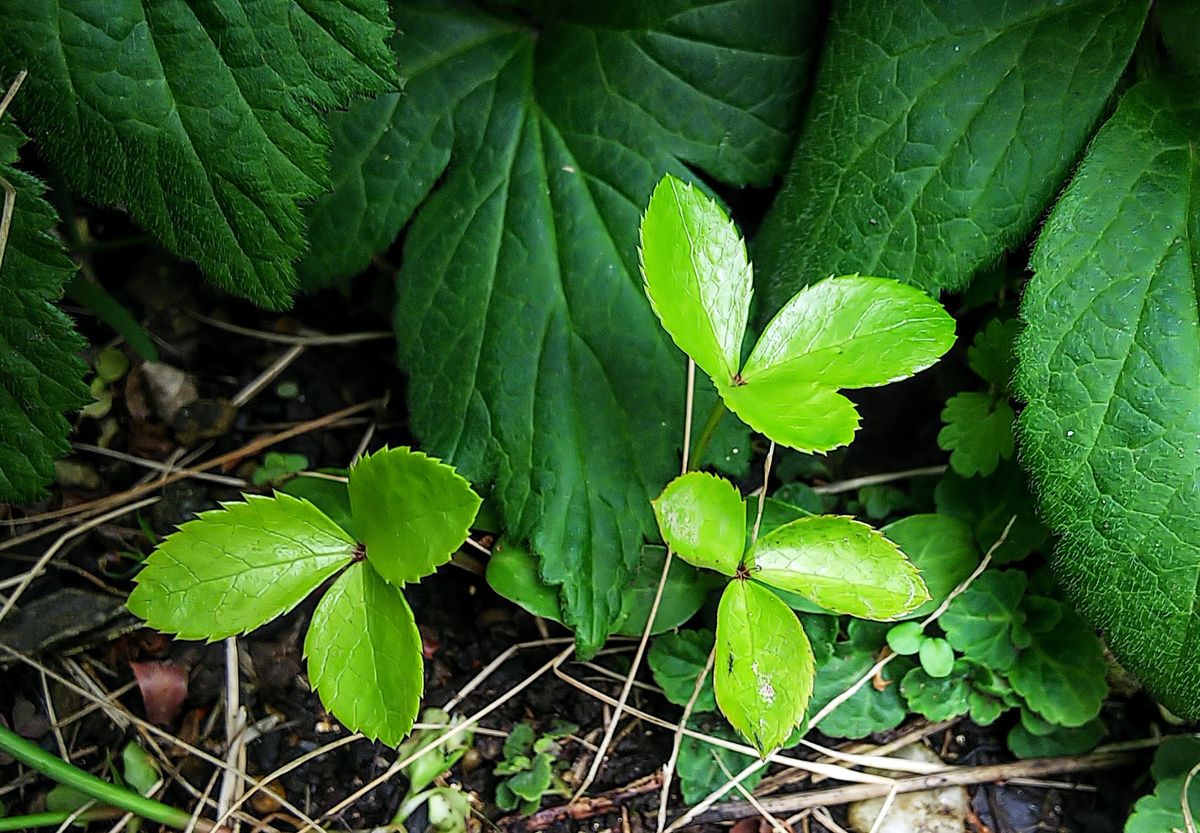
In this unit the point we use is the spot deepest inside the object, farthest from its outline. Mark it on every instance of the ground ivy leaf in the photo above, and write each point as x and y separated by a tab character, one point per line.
411	511
988	503
1109	364
978	432
697	275
700	762
980	621
364	655
200	120
841	564
545	143
676	659
991	352
235	568
941	547
1062	672
763	674
868	710
41	375
912	165
703	518
1061	741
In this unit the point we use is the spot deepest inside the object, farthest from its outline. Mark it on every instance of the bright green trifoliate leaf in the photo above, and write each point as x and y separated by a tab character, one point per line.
364	655
763	674
846	332
940	547
703	518
1061	673
697	275
937	134
411	511
840	564
200	120
978	432
676	659
235	568
986	622
41	375
1109	365
523	152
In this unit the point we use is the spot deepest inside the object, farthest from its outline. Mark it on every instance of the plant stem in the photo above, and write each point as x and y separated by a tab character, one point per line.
108	794
54	819
706	433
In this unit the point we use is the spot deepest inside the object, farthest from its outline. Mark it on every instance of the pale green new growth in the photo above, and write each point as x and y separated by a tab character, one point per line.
764	668
841	564
703	518
364	655
411	511
233	569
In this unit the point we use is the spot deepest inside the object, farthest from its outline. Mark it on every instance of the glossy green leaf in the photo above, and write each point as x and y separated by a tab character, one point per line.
937	657
868	710
521	156
846	332
1109	364
763	676
941	547
235	568
1163	809
906	638
703	518
41	375
980	623
697	276
686	591
702	765
978	432
200	120
1062	673
411	511
937	134
512	571
841	564
365	656
676	660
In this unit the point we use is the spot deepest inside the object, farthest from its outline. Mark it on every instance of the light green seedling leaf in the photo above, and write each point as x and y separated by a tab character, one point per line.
982	621
697	275
676	660
1062	673
941	547
906	638
411	511
937	657
364	655
235	568
139	770
841	564
427	767
763	676
978	432
703	518
846	332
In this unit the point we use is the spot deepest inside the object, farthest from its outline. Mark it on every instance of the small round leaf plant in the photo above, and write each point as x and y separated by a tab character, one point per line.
843	332
236	568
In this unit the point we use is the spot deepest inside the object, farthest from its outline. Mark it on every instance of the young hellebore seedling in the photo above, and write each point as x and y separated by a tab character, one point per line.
843	332
236	568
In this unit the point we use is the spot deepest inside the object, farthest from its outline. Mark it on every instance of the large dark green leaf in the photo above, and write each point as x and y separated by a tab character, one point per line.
198	118
40	374
1109	364
938	132
535	360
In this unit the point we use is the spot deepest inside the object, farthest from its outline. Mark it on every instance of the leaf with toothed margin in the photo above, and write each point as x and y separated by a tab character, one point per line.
841	564
236	568
365	656
703	519
764	668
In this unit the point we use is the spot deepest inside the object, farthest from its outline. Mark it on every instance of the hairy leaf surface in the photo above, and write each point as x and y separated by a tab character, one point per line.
200	119
40	373
937	134
1109	364
235	568
535	360
364	655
